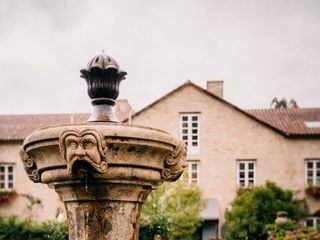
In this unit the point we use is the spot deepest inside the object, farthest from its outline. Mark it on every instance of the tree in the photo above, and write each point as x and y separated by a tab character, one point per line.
283	103
172	211
252	210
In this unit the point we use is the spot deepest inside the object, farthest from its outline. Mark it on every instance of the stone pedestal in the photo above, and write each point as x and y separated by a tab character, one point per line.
103	211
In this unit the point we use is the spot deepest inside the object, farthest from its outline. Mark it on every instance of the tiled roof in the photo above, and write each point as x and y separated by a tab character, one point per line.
290	121
17	127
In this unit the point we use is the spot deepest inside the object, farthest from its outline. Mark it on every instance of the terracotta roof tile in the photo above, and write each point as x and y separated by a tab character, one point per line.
17	127
290	121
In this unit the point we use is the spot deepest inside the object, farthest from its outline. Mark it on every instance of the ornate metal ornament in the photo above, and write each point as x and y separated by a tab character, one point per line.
103	77
87	145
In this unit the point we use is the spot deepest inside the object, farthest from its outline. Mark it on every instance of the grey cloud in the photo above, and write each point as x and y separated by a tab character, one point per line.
260	48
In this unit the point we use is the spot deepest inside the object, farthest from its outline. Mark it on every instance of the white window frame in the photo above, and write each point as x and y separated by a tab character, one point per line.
190	163
314	170
6	175
315	221
192	150
246	171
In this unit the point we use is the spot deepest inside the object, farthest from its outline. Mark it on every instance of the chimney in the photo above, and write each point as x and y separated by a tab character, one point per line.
215	87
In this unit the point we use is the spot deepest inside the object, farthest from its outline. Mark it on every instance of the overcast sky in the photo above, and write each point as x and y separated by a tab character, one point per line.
260	48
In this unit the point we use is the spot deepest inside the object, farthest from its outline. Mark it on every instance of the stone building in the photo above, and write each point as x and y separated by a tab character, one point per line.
228	148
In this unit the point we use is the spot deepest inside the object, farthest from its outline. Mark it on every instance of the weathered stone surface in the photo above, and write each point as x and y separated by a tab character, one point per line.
103	173
103	210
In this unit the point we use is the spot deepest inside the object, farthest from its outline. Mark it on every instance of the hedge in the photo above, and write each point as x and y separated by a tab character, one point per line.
12	228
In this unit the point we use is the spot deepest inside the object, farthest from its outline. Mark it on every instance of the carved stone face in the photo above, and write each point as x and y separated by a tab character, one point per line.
83	146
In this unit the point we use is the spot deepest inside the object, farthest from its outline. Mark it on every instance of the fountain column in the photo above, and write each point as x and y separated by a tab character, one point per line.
103	211
102	169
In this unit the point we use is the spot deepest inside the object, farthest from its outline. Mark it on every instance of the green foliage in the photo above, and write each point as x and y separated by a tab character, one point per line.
301	234
279	231
252	210
14	229
172	211
291	231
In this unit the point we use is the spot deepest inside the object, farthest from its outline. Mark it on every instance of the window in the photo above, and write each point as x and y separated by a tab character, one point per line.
193	172
313	172
246	173
189	131
6	176
312	222
312	124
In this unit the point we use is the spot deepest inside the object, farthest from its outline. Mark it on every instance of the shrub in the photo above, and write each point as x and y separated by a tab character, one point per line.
279	231
252	210
14	229
291	231
172	211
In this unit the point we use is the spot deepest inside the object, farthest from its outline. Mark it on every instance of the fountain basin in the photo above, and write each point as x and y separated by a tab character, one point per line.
103	172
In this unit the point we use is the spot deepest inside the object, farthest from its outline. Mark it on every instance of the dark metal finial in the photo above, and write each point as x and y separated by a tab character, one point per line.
103	77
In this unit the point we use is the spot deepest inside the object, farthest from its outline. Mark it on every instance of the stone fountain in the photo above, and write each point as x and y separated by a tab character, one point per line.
102	169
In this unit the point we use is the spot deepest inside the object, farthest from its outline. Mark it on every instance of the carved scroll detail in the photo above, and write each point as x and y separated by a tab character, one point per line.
87	145
29	165
175	163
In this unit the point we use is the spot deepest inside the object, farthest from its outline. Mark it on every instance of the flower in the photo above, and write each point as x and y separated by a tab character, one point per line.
313	191
7	196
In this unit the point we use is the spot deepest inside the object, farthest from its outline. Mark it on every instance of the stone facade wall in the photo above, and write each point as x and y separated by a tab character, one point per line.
228	135
9	153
